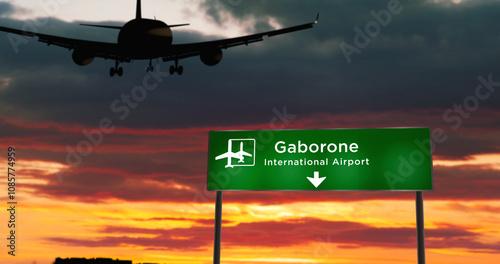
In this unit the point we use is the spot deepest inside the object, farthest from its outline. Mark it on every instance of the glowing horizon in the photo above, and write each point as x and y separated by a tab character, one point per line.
116	227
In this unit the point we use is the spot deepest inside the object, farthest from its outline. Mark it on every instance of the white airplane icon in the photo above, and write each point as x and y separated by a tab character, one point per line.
237	155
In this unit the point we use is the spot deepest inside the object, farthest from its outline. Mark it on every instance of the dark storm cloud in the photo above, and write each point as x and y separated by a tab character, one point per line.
429	55
6	9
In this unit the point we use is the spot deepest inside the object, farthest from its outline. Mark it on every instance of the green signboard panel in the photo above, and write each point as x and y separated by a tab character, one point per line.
328	159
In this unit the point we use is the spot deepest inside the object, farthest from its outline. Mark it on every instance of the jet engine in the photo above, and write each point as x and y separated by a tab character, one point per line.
211	57
82	57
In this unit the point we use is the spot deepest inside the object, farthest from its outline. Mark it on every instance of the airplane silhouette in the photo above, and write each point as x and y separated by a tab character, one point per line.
147	39
230	154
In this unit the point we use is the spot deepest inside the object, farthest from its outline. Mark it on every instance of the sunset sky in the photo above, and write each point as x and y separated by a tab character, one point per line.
138	192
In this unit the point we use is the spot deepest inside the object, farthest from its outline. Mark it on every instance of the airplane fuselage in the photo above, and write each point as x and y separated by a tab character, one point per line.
144	38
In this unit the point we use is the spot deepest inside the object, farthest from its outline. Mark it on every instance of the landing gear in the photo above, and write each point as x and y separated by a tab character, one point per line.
179	70
113	71
150	68
116	70
176	69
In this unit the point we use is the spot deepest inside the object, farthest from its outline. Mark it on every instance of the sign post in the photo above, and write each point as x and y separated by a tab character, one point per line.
384	159
419	208
218	225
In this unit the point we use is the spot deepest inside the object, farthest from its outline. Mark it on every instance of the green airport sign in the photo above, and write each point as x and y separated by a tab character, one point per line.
326	159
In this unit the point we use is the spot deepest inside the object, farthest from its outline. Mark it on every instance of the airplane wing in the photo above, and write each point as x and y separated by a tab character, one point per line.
99	49
225	155
244	153
181	51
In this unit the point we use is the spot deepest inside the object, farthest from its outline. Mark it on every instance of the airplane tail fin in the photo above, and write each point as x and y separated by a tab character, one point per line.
138	10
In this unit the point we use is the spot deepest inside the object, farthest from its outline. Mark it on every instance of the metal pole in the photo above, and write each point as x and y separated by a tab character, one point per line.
419	207
218	221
